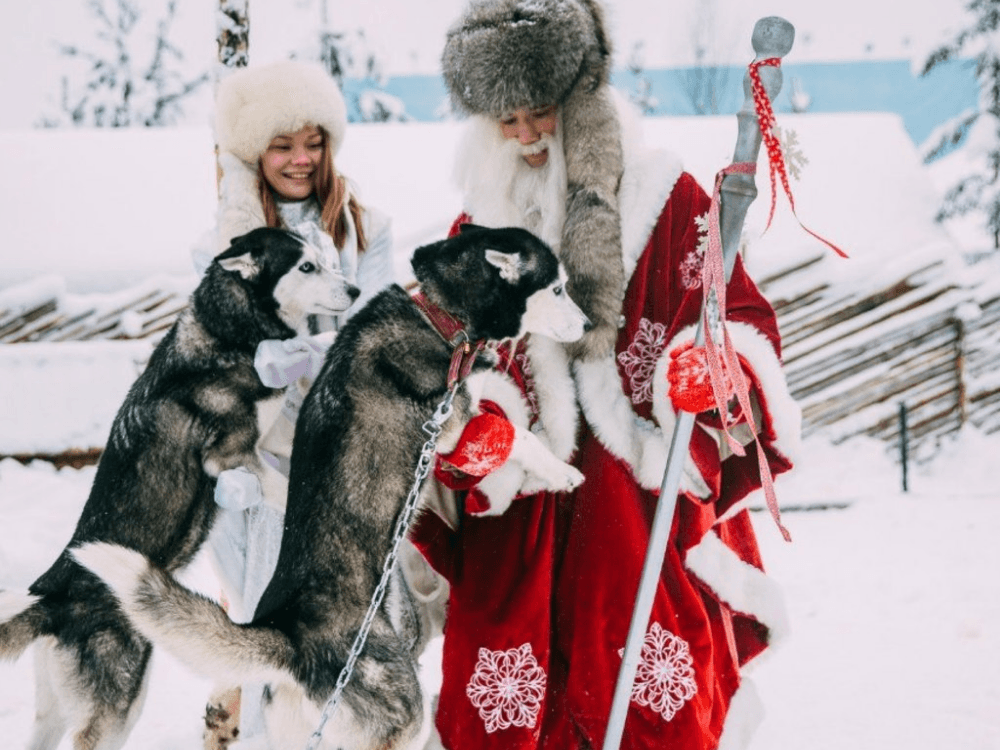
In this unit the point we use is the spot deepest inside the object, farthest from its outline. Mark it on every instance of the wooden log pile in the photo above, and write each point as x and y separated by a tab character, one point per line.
852	355
46	313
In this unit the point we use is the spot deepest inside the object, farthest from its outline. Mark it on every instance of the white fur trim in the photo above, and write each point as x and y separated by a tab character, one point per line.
648	179
779	405
641	443
556	395
239	200
784	412
745	588
746	711
255	104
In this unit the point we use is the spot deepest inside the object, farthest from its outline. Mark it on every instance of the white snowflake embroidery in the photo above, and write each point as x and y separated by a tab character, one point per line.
507	688
639	359
693	261
664	680
795	159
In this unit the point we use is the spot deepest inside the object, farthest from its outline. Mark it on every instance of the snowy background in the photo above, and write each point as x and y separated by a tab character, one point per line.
893	598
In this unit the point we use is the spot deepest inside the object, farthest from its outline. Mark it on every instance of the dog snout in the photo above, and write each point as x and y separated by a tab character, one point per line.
353	292
588	324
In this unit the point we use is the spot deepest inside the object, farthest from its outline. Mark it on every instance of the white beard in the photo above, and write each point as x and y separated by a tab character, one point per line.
501	190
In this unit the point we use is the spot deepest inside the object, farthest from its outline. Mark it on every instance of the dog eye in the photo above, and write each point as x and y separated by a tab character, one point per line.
557	291
307	267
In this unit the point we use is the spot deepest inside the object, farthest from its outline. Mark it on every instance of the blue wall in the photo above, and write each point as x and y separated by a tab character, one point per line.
883	86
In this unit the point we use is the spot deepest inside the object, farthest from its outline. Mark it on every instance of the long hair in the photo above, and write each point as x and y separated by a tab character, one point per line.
330	190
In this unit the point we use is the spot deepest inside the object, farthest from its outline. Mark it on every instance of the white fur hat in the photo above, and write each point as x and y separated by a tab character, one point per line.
254	104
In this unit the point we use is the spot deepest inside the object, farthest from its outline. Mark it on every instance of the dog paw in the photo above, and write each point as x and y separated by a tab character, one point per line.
570	479
119	567
564	478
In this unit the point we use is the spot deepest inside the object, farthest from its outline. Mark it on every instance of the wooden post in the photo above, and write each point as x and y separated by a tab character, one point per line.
232	25
232	36
904	448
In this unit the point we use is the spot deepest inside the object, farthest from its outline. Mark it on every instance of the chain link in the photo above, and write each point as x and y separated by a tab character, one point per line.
433	428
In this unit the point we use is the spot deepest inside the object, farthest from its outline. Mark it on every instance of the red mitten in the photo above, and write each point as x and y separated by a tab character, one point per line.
690	382
484	446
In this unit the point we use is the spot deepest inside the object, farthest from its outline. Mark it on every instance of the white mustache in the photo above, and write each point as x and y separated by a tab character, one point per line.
542	144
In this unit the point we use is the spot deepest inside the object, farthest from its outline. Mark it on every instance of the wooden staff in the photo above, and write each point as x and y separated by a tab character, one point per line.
772	38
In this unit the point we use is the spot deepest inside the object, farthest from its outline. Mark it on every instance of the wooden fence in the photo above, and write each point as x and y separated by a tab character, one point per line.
851	356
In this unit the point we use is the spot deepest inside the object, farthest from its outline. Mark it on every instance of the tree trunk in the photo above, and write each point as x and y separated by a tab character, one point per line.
233	33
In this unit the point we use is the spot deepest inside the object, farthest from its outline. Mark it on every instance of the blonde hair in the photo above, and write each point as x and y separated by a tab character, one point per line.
331	188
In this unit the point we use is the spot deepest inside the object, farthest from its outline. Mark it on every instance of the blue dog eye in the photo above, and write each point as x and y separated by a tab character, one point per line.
307	267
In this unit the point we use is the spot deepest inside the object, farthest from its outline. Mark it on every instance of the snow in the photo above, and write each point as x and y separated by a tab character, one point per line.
892	596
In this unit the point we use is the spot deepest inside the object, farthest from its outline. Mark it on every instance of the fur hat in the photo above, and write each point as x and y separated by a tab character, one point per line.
253	105
501	55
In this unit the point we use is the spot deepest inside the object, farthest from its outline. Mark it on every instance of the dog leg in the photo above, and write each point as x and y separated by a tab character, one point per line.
222	719
544	471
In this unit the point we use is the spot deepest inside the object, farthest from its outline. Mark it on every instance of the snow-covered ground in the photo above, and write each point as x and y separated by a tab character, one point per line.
893	601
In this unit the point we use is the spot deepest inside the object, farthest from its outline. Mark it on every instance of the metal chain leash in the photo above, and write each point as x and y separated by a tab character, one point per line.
433	428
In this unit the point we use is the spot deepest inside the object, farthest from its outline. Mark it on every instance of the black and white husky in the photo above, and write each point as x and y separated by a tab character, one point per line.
192	413
357	444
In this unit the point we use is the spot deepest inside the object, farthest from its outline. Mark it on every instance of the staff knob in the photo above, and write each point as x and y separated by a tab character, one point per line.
772	37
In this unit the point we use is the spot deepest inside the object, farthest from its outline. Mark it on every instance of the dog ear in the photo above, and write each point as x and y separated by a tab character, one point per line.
243	264
238	257
508	263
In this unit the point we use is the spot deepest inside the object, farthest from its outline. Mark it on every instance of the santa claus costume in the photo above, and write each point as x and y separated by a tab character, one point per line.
543	585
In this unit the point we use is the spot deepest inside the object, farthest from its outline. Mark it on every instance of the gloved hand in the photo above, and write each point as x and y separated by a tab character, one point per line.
690	382
280	362
238	489
484	446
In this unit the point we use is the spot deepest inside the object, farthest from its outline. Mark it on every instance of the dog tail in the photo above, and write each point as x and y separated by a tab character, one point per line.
192	627
21	621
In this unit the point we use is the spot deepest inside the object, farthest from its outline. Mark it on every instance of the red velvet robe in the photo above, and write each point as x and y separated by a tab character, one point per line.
542	595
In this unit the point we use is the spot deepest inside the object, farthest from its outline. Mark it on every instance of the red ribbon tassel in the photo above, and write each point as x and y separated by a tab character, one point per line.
775	156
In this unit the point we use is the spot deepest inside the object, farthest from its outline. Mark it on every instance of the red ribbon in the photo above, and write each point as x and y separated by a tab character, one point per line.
713	277
775	156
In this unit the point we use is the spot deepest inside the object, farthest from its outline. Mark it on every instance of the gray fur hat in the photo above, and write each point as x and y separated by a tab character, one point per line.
505	54
501	55
254	104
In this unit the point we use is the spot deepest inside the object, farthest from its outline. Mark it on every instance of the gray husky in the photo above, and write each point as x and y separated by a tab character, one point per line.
357	443
192	413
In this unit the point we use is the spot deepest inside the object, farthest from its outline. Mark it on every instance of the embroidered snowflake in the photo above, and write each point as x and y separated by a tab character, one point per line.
639	359
664	680
507	688
693	261
794	158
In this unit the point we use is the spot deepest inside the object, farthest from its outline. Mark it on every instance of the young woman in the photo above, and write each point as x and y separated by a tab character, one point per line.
278	129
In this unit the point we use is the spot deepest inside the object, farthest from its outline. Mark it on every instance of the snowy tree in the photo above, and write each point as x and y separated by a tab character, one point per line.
642	94
977	128
129	77
350	55
707	82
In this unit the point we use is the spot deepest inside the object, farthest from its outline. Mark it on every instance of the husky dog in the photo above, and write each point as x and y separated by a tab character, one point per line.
357	443
191	414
